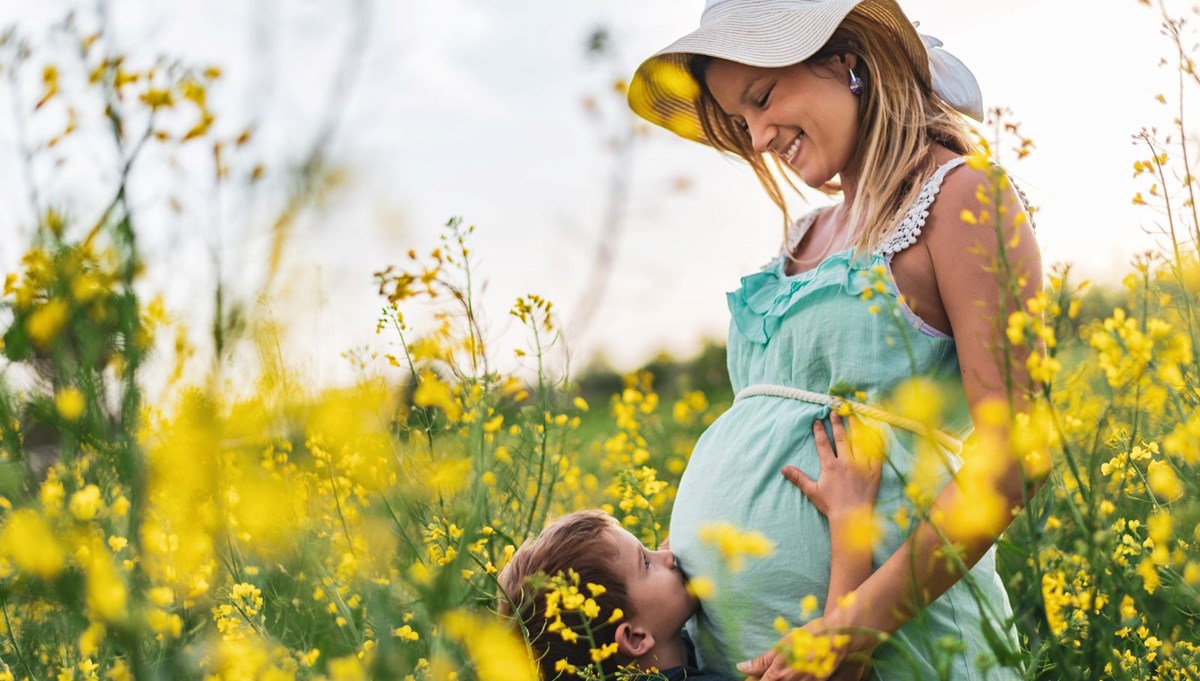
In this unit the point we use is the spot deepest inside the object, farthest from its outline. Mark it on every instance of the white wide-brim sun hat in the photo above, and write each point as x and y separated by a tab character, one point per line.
764	33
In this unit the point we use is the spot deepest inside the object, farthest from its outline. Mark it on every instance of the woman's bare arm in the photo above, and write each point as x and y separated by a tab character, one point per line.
973	292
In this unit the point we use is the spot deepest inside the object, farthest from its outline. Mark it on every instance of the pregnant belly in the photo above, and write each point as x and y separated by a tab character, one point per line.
733	477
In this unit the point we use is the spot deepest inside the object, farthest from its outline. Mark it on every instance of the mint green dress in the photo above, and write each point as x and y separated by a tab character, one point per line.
814	332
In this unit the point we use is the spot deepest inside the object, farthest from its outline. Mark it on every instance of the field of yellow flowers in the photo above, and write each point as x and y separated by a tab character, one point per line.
278	530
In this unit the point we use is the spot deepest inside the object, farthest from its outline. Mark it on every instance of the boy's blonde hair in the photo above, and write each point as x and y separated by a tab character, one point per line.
582	542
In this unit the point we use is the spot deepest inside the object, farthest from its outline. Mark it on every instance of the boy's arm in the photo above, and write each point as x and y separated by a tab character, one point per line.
845	492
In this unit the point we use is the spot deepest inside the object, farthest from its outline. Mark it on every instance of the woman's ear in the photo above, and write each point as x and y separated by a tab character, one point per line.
633	641
849	59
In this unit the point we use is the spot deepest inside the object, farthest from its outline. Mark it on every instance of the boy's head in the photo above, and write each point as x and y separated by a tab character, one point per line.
647	586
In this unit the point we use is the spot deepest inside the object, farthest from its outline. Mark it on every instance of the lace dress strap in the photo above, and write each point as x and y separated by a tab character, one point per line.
1024	202
910	227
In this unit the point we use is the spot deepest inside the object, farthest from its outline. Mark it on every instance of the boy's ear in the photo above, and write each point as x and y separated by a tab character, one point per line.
632	640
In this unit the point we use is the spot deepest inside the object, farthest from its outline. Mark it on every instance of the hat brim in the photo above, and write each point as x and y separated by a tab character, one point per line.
768	34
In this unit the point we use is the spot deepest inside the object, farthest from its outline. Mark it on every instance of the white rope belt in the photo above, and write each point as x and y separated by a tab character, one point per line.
942	438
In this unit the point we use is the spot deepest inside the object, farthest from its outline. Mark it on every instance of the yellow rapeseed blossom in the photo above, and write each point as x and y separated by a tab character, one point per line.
1055	600
106	592
46	321
86	503
701	588
498	655
813	654
862	530
433	392
406	633
70	403
30	544
919	399
1163	481
808	606
734	545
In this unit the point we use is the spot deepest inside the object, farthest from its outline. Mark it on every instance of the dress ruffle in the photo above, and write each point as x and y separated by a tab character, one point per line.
765	297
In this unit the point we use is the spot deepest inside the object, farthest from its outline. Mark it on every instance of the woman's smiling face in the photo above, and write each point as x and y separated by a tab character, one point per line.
804	114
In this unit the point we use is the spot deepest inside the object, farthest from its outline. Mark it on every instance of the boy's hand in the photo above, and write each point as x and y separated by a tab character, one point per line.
846	482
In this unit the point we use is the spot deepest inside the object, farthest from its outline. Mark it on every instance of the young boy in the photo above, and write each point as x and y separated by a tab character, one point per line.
617	603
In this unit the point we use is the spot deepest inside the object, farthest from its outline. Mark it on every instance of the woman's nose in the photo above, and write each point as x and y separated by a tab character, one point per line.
761	136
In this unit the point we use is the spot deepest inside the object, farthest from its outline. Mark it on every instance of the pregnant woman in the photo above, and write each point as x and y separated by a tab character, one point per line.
846	96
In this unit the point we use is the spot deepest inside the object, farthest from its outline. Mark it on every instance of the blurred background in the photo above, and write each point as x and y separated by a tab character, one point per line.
511	116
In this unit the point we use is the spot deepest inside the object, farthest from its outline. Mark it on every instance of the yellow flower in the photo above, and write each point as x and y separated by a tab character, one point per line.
432	392
1158	527
734	545
106	594
1017	322
89	640
46	321
919	399
1054	598
347	668
1163	481
781	625
70	403
980	160
676	81
157	98
808	605
120	507
498	653
701	588
31	545
406	633
52	494
861	530
813	654
86	503
604	652
979	511
1149	574
162	596
1191	573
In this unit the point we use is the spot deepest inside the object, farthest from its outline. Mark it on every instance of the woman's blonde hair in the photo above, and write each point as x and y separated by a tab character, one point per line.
900	119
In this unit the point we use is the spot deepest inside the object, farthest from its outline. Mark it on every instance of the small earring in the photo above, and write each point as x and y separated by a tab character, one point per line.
856	84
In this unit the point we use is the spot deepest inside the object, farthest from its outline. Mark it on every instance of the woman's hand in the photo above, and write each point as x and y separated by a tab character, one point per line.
847	485
851	662
848	481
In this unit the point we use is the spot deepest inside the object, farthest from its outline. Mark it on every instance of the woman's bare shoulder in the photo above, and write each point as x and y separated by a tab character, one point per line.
974	213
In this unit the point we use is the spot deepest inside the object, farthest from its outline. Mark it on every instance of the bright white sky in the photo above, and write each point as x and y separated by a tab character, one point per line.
473	108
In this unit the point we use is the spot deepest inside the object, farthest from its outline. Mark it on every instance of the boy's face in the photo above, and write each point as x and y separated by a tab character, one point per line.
656	586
